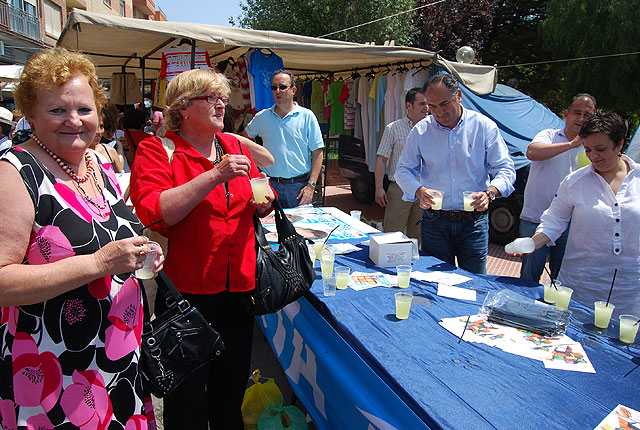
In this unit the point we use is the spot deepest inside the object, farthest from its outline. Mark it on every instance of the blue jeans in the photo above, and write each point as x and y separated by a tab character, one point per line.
533	264
466	239
288	193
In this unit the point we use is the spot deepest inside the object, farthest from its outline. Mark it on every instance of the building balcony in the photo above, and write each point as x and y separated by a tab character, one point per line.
19	21
147	7
78	4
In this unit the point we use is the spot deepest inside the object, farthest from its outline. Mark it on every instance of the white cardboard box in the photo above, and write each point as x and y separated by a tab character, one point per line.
390	249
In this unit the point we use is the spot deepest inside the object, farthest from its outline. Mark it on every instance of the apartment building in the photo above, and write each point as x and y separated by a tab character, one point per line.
27	26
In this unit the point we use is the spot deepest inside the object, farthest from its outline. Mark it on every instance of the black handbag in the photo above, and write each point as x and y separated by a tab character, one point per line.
176	343
282	276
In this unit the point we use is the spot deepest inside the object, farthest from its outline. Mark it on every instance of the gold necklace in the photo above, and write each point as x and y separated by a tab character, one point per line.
95	203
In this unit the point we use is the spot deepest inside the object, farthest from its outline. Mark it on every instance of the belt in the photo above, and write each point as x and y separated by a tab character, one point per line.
301	178
457	215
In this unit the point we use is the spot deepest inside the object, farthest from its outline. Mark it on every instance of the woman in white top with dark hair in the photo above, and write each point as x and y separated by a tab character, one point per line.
602	201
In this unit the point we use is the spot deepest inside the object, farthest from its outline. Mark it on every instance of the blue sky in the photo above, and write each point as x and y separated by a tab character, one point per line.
200	11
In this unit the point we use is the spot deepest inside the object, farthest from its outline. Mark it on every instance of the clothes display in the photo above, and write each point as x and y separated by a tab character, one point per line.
261	67
125	89
177	59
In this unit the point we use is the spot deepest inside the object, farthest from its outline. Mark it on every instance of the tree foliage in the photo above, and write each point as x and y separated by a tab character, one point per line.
319	17
447	26
585	28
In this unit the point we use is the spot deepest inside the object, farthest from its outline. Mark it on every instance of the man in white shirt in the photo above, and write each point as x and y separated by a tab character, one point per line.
553	155
6	123
399	214
454	150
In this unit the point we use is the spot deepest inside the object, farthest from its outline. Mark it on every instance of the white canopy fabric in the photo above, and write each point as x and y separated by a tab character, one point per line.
10	72
113	42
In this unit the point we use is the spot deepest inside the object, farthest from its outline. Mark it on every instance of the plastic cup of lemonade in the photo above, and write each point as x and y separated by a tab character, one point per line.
342	277
602	314
404	275
437	200
563	296
628	328
467	197
319	247
326	264
550	291
260	188
403	305
146	271
356	214
329	285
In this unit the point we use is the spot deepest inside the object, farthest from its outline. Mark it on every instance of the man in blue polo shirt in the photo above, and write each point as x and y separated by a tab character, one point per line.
292	134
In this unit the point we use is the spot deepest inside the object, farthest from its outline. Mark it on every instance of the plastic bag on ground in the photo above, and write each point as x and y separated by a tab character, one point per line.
257	398
282	418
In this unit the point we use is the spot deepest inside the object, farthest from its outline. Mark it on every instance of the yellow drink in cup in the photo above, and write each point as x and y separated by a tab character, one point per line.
468	198
404	276
342	277
602	314
550	292
628	328
146	271
328	257
563	296
403	305
437	200
319	247
260	188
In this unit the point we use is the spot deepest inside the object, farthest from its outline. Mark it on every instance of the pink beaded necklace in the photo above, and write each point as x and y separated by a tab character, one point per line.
64	166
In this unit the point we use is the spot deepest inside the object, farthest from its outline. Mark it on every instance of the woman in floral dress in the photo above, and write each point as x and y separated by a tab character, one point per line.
71	317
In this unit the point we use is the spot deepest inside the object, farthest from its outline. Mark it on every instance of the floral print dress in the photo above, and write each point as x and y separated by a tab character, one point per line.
72	361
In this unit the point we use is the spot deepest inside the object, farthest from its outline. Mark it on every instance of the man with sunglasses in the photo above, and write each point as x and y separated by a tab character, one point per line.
553	155
292	134
454	150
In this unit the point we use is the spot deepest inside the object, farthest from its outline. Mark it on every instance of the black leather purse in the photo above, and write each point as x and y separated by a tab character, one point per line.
176	343
282	276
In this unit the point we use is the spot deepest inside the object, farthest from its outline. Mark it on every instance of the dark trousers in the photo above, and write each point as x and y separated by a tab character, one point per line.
211	398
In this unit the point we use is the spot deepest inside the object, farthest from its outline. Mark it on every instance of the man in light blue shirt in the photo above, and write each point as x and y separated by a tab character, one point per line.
454	150
292	134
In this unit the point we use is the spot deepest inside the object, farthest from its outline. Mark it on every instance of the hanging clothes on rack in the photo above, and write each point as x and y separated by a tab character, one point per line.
348	99
336	124
243	67
125	89
261	67
177	59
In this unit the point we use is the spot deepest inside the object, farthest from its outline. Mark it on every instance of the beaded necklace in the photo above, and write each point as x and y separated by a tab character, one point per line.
79	180
64	166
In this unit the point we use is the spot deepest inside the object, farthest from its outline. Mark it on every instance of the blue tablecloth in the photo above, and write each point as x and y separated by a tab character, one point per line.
452	385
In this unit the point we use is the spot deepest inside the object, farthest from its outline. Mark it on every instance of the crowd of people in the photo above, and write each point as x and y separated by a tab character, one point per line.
72	308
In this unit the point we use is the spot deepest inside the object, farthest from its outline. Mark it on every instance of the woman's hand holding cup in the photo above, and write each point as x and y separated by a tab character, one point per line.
126	255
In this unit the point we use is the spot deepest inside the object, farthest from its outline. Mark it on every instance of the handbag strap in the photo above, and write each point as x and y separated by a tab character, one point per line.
168	291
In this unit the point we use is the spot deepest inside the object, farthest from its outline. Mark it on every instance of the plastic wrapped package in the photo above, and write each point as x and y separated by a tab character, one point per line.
509	308
257	398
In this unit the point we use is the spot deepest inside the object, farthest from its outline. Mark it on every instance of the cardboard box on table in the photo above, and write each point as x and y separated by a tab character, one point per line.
390	249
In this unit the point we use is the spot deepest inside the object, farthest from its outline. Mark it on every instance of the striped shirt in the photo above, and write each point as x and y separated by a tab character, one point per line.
393	140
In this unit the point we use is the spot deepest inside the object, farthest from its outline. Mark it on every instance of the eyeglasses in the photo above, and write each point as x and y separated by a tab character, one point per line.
280	87
213	99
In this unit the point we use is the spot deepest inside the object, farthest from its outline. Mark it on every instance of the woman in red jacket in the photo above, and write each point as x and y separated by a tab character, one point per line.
202	194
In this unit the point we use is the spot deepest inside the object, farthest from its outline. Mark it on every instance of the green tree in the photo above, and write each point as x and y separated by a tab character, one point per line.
319	17
447	26
586	28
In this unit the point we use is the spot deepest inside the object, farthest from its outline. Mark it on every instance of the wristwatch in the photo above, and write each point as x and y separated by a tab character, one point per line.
313	184
490	194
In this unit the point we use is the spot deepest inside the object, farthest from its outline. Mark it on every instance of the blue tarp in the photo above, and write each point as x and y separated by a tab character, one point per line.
518	116
633	150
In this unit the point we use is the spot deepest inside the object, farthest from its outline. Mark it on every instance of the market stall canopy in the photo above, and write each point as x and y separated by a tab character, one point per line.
113	42
10	72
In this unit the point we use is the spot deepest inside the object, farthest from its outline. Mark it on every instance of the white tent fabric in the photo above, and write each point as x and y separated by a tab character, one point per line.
113	42
633	150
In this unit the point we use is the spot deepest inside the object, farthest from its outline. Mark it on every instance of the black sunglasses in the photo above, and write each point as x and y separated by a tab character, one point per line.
280	87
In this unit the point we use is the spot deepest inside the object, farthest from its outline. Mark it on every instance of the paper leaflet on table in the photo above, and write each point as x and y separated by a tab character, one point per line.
621	418
363	280
450	291
440	277
311	222
555	352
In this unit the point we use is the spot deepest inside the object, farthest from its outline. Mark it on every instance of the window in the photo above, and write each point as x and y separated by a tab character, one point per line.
122	8
52	18
28	6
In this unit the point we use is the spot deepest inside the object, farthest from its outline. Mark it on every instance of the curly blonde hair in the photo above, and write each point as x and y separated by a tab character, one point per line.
53	68
187	85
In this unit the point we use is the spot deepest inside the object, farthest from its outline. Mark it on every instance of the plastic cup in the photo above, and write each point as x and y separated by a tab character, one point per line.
403	305
404	276
342	277
602	314
318	246
467	197
550	291
356	214
312	253
563	296
260	188
415	249
146	271
329	285
437	200
522	245
628	328
326	264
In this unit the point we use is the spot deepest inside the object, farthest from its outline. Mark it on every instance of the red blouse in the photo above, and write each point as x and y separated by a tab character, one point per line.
216	239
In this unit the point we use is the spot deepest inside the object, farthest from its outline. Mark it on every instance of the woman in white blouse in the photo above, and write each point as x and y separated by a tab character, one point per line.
602	201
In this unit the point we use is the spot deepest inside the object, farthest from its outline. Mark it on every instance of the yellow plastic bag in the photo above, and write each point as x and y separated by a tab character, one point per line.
257	398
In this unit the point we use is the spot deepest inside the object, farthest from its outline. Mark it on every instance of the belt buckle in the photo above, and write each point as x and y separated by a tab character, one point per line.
457	215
